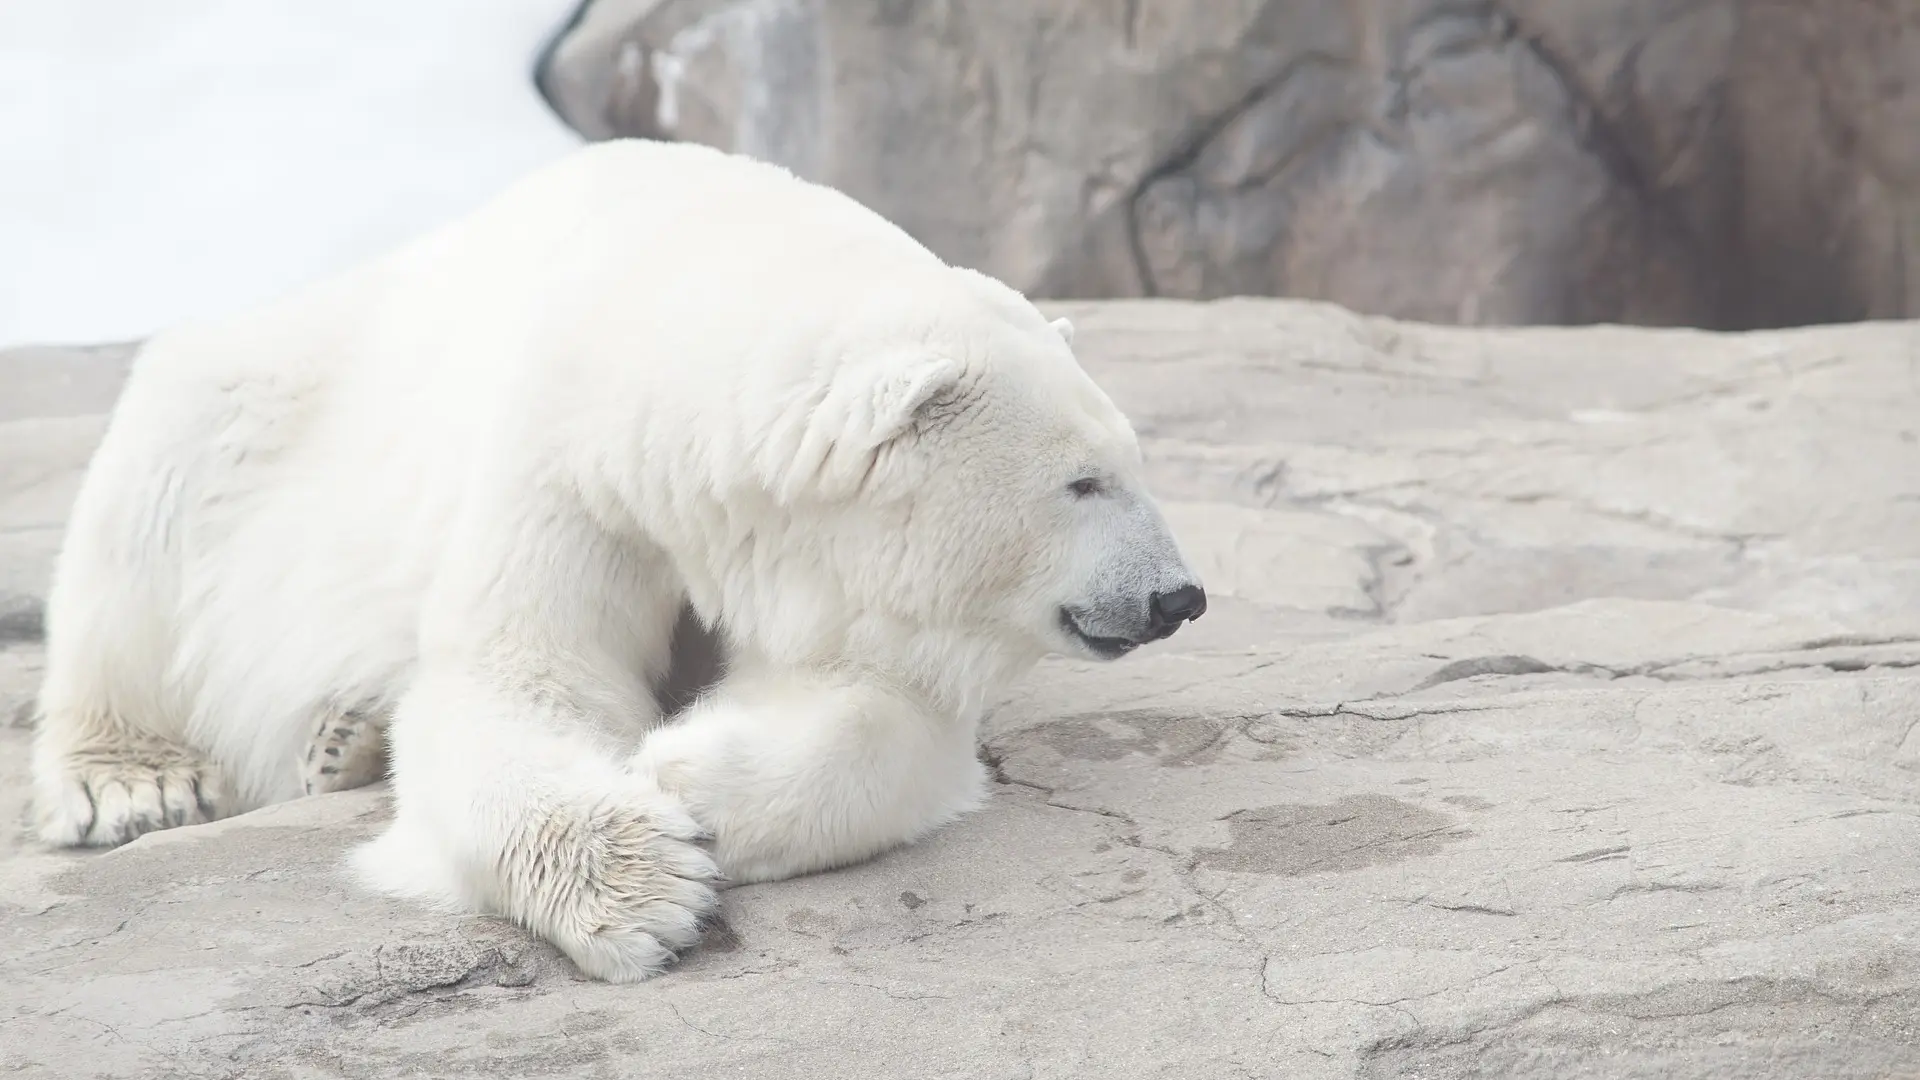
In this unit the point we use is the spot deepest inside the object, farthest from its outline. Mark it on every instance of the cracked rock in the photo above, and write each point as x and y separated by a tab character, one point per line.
1556	714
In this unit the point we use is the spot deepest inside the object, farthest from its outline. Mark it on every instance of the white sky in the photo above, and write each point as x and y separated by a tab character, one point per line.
165	159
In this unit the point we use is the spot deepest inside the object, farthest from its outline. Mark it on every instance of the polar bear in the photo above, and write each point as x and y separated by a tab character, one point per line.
462	493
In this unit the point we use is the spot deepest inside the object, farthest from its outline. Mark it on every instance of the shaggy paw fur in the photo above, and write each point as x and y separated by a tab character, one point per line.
109	793
619	884
627	888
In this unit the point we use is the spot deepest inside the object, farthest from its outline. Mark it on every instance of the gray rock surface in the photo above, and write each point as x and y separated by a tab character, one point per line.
1703	162
52	406
1558	716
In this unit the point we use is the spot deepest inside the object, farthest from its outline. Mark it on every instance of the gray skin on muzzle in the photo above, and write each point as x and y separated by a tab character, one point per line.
1138	586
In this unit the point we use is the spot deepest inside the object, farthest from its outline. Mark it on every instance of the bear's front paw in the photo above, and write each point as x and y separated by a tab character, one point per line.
635	893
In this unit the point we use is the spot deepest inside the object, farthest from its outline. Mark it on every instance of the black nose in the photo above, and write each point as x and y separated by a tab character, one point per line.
1184	604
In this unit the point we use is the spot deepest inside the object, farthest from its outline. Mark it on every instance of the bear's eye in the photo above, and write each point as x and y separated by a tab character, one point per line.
1085	487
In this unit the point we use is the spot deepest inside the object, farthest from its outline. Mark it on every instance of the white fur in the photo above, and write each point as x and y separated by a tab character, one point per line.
469	486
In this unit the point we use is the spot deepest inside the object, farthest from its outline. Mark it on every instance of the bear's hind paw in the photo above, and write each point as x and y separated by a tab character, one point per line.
106	796
348	750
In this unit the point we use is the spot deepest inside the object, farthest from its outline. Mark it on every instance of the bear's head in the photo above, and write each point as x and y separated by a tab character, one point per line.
985	484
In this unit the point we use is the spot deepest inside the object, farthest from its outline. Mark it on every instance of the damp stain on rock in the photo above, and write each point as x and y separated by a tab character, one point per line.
811	923
1351	834
1169	739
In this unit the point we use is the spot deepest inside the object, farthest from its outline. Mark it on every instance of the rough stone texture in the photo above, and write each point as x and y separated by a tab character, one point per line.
1557	717
52	406
1725	163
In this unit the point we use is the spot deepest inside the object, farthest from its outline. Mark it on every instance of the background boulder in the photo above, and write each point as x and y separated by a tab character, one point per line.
1720	163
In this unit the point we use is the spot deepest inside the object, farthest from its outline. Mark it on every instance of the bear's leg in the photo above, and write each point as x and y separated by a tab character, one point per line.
511	795
513	805
798	772
110	759
99	782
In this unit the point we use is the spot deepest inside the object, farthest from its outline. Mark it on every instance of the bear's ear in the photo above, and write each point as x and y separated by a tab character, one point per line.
898	390
869	405
1064	328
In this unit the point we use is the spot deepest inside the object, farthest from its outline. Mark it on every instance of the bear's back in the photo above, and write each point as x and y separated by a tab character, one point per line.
683	209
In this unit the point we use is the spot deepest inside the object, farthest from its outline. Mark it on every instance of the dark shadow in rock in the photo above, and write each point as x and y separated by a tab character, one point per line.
22	618
1484	665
